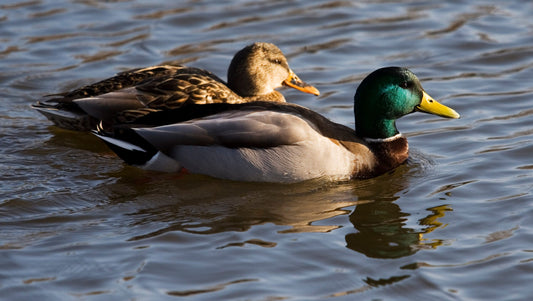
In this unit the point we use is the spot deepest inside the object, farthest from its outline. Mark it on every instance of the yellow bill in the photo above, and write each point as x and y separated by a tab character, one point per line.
429	105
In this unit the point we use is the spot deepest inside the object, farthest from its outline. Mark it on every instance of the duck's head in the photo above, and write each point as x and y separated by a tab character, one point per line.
260	68
388	94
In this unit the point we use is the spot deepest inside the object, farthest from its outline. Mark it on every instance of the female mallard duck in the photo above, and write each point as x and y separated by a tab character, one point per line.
281	142
253	74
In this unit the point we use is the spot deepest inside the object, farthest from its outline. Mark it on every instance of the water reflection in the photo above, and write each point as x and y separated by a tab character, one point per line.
162	203
381	225
382	233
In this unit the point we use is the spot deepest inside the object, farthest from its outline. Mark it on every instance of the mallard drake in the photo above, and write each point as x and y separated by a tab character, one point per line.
255	71
281	142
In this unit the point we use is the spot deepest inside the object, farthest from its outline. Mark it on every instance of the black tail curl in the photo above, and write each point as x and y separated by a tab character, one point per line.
127	144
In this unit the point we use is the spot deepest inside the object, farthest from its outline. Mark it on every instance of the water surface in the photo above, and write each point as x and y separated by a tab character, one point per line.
454	223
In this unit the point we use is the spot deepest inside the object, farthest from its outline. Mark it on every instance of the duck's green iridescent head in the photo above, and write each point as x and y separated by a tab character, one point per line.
388	94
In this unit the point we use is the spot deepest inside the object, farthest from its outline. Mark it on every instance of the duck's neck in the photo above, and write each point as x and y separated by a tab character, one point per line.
274	96
369	127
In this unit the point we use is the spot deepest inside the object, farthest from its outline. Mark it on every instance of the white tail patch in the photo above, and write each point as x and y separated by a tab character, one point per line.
122	144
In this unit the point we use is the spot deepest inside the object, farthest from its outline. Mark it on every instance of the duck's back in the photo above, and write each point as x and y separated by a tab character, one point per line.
156	88
130	78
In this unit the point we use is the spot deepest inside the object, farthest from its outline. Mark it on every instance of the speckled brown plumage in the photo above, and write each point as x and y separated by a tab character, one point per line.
127	79
176	91
261	68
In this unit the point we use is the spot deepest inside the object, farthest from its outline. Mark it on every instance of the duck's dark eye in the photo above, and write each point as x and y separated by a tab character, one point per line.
277	61
405	85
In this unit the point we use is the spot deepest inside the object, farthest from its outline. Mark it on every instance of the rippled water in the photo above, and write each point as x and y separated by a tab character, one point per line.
454	223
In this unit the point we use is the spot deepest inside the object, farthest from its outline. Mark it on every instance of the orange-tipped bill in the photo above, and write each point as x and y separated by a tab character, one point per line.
430	105
295	82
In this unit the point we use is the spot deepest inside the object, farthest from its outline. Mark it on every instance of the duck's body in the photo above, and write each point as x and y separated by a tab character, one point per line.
253	74
81	109
279	142
260	141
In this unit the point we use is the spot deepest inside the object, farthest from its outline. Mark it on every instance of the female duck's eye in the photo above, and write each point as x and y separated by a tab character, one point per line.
277	62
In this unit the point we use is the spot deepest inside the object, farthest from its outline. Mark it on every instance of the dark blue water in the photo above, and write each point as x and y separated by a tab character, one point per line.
454	223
